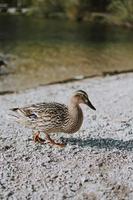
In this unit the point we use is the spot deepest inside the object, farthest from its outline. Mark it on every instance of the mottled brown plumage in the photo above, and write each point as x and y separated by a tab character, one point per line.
54	117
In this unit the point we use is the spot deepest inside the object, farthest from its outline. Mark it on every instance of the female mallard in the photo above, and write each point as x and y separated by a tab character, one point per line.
55	117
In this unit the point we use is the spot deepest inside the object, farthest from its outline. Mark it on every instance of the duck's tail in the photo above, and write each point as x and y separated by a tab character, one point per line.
18	114
14	109
18	111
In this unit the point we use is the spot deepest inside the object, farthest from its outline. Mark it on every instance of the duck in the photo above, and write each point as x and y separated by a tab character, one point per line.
54	117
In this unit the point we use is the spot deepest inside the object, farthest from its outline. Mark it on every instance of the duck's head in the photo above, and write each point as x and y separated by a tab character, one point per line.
81	96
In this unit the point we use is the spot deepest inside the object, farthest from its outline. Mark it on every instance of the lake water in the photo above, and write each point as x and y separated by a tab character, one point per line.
42	51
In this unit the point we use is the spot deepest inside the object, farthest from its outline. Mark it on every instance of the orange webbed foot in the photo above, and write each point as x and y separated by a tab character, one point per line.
37	138
50	141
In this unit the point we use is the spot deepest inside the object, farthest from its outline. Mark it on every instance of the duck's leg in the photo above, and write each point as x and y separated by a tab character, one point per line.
36	138
53	142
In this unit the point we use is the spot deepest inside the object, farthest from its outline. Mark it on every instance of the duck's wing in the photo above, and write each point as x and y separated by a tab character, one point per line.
42	110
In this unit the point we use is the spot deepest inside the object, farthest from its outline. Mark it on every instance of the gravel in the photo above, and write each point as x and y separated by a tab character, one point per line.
96	164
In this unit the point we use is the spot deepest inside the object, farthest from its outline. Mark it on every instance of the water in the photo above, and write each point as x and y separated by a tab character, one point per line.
41	51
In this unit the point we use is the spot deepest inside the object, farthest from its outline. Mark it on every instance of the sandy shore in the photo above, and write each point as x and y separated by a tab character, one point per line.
96	164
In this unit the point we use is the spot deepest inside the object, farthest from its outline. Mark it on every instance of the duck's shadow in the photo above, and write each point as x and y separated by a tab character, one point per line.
100	143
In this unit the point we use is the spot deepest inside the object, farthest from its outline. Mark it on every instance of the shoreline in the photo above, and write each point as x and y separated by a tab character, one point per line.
70	80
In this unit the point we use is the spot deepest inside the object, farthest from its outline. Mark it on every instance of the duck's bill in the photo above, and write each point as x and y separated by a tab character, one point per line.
90	105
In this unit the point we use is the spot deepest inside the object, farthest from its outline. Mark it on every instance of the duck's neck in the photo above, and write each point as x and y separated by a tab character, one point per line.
73	108
75	117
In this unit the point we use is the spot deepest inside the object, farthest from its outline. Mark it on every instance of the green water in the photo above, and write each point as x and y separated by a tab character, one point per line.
41	51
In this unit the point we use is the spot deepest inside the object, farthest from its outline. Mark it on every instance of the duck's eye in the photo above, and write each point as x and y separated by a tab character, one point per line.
84	98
